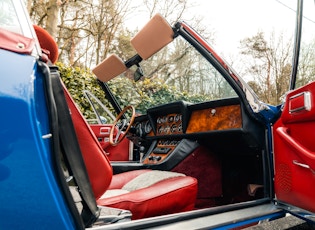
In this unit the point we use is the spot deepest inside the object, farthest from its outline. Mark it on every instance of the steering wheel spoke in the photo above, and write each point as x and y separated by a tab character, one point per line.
122	126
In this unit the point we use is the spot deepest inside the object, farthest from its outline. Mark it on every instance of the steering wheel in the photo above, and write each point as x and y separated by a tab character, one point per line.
122	125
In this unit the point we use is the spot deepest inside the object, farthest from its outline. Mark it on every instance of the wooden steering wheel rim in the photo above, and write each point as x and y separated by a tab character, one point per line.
111	134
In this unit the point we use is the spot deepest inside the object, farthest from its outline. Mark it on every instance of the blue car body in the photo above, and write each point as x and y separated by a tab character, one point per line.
31	194
29	189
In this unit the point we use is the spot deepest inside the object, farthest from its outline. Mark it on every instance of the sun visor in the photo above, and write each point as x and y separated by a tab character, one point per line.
156	34
111	67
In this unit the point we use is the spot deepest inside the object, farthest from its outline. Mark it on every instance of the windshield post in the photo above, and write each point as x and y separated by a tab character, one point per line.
297	43
111	98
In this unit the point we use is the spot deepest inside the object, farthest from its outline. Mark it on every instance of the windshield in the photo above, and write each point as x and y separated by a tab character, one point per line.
177	72
8	17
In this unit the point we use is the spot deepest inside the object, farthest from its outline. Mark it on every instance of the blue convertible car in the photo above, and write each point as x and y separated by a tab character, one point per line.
213	156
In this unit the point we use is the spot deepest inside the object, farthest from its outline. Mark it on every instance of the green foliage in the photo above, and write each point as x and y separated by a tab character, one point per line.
148	93
143	94
76	80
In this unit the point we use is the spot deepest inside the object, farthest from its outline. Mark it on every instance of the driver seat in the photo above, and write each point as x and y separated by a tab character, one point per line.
145	192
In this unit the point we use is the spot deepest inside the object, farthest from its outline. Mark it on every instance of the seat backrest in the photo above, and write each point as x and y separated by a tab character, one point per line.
97	164
47	43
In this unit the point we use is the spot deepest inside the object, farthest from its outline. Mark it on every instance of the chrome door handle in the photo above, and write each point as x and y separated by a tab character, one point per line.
303	165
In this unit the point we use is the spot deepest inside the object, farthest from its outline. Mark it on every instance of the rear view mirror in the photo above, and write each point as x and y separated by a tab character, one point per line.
156	34
111	67
138	74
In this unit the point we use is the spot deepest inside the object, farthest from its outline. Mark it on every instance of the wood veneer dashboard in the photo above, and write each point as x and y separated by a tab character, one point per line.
204	120
180	118
171	122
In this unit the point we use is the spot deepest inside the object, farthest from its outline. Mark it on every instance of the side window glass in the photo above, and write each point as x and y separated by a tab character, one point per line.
102	114
306	68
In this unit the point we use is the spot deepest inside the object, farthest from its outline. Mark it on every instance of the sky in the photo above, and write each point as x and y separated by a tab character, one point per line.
231	21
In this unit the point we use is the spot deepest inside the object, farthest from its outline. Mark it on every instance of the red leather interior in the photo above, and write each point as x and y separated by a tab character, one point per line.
294	150
307	155
164	197
47	43
296	99
123	178
119	152
97	164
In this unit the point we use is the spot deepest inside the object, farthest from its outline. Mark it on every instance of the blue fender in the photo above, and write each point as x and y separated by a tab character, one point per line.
30	197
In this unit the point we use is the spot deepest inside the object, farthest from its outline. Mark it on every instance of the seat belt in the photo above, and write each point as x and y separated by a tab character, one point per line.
72	151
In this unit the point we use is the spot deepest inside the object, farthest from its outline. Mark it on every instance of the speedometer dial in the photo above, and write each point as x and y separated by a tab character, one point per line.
147	127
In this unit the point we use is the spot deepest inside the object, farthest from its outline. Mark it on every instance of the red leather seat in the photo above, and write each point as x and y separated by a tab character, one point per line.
145	192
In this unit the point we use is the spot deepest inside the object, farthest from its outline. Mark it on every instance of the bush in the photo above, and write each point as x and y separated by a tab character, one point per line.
142	94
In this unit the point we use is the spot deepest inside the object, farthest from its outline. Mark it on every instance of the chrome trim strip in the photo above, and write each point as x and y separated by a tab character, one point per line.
47	136
307	102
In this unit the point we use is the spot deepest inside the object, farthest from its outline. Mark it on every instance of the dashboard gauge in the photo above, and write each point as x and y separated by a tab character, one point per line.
179	129
161	120
138	127
178	117
170	118
160	129
147	127
173	128
167	129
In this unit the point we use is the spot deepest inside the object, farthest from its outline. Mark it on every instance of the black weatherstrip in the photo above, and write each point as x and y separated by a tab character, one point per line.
72	151
56	156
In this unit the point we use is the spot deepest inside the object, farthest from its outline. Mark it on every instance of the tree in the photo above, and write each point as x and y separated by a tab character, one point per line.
88	30
268	65
105	25
45	14
52	17
85	30
166	8
306	70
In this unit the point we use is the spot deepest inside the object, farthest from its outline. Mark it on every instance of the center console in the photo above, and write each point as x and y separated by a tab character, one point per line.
163	149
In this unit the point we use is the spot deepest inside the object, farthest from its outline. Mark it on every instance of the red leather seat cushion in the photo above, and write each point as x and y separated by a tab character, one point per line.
168	196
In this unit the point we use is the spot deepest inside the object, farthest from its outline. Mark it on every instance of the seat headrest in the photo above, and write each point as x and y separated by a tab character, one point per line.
47	42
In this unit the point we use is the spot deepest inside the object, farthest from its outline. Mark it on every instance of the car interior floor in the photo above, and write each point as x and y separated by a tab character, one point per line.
223	178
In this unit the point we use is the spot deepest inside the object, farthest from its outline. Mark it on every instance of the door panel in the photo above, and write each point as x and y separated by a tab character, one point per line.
294	149
119	152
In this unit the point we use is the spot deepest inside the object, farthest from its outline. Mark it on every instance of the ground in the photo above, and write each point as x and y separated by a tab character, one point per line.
289	223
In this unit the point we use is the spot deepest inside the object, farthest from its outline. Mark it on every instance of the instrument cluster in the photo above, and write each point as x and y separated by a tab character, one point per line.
143	128
169	124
